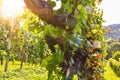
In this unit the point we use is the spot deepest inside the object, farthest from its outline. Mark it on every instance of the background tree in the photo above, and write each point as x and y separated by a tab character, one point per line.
115	62
34	37
112	48
3	43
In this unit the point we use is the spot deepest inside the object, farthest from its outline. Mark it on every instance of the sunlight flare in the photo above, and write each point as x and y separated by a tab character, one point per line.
11	8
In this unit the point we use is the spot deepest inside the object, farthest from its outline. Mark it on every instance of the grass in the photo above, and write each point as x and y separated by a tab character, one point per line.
109	74
31	72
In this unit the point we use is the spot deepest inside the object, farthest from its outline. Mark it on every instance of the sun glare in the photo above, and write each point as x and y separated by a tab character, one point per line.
11	8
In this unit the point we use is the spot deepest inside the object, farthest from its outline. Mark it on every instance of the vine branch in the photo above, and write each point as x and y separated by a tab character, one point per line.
45	12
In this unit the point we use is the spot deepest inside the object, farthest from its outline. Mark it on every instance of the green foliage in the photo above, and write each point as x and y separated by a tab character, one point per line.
2	53
116	56
112	48
30	42
30	22
53	31
75	41
3	36
52	3
115	65
82	16
51	63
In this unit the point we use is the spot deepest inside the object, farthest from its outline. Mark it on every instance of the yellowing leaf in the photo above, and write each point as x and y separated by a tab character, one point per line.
94	31
49	51
88	35
67	27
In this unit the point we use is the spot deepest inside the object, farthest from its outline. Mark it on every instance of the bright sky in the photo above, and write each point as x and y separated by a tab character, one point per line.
111	10
58	5
11	8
